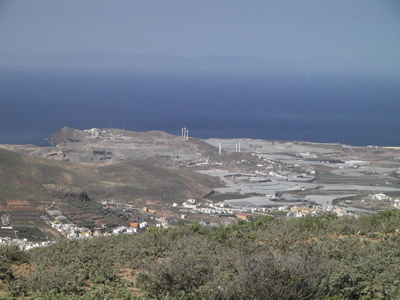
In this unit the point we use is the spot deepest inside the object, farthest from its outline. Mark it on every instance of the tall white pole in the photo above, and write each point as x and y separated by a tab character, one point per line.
187	134
239	147
219	149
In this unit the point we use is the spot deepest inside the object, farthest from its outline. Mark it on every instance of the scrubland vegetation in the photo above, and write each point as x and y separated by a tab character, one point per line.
324	257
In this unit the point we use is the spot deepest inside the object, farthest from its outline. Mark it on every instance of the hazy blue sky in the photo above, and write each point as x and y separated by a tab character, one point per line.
319	34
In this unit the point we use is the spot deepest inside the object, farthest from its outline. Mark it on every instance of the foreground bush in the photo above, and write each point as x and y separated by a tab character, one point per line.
323	257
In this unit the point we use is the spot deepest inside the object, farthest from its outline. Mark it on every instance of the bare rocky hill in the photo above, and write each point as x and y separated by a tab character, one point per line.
103	146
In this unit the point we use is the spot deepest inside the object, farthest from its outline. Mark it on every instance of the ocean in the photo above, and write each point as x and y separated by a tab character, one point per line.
357	110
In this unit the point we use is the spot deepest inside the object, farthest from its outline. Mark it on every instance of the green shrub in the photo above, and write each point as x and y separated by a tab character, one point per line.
320	257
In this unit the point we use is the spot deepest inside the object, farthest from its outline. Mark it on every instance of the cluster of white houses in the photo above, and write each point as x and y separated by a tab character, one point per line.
71	231
223	208
24	244
212	208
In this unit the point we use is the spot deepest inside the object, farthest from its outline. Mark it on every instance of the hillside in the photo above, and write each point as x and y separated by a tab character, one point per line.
141	179
29	184
325	257
25	173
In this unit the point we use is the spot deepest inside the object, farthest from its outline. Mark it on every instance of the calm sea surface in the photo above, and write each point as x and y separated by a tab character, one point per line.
354	110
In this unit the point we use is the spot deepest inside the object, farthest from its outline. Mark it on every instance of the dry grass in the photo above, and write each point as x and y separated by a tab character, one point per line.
18	202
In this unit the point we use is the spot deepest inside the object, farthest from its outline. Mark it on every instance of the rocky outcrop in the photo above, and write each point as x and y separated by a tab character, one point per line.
65	192
66	134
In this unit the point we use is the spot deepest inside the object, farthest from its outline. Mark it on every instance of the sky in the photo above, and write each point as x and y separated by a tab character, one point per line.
324	35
